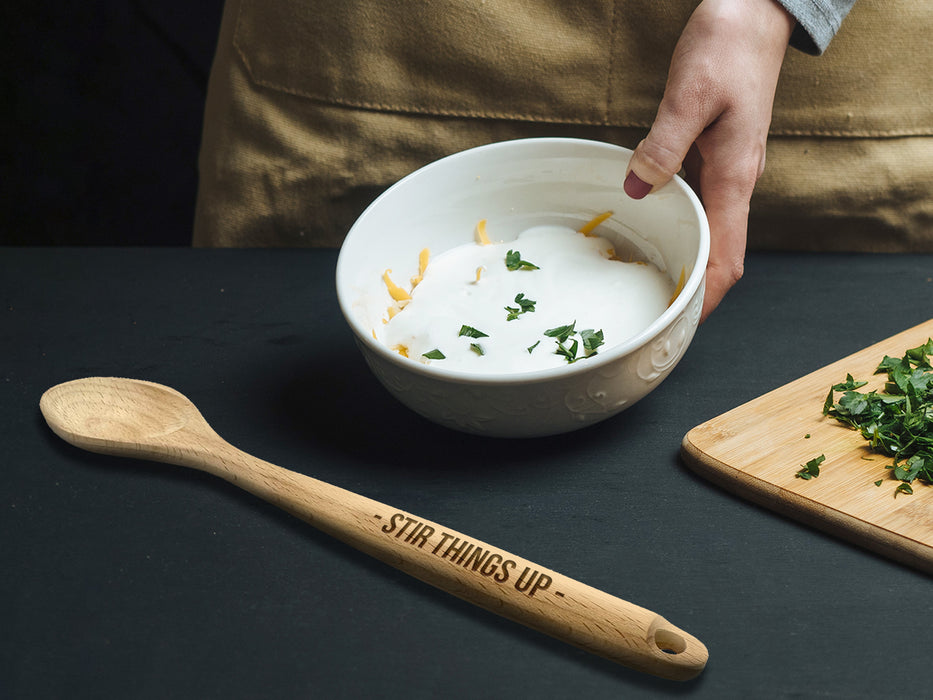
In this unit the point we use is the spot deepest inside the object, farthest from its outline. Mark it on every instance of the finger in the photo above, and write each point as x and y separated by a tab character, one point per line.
680	120
653	164
721	276
726	198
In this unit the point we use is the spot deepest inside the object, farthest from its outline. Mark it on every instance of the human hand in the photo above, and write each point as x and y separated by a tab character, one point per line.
713	121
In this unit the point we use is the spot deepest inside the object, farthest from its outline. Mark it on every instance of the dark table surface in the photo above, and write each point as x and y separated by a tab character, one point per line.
129	579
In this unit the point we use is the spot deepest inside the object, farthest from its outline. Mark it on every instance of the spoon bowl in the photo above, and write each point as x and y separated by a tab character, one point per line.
134	418
126	413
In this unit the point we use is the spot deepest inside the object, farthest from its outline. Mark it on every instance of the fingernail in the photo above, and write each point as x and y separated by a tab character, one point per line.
635	187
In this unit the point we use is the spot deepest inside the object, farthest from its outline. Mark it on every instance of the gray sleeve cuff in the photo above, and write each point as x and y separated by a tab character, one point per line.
817	22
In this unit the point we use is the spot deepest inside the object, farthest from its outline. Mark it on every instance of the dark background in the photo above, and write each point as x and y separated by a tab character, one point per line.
102	112
125	580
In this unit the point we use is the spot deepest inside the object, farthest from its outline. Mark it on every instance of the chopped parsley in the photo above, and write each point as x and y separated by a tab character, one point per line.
561	333
591	339
811	469
471	332
897	421
568	353
434	354
524	306
477	348
513	261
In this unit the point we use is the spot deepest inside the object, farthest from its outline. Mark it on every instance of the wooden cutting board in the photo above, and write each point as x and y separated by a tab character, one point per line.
756	449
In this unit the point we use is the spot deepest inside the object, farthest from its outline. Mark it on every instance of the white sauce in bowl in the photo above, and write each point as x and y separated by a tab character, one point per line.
576	283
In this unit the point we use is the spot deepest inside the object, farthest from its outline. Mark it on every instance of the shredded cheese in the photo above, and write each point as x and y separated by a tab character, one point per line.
400	296
423	257
587	229
395	291
479	272
680	286
481	236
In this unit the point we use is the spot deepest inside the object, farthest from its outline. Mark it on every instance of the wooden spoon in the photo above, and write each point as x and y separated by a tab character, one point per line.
139	419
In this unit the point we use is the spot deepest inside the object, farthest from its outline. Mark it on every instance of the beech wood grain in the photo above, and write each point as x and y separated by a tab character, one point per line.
756	449
138	419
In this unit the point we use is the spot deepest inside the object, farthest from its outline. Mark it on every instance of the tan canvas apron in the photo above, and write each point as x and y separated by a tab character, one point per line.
316	106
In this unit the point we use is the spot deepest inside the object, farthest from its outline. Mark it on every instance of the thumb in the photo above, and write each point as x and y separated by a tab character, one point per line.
661	153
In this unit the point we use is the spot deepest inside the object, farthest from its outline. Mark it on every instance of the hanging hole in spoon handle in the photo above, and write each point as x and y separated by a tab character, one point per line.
150	421
666	639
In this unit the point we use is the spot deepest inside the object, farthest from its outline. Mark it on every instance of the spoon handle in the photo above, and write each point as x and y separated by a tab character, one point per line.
470	569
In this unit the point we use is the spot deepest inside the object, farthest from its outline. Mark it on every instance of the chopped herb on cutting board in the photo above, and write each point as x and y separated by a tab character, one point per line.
811	469
896	421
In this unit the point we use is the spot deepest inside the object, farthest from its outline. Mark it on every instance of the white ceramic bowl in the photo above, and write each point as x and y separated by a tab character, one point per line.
515	185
